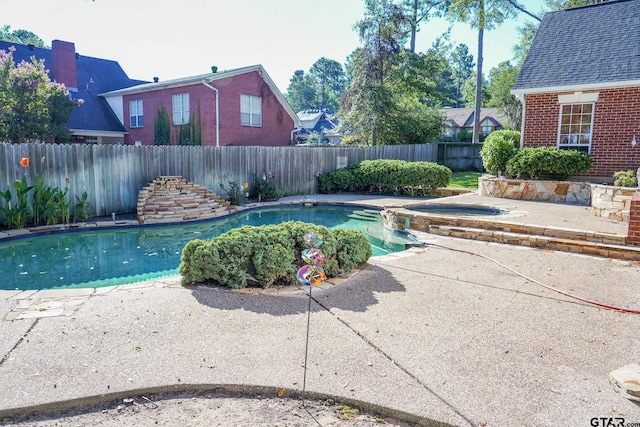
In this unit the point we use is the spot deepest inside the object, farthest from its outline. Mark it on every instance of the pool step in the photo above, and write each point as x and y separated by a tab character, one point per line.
525	229
607	250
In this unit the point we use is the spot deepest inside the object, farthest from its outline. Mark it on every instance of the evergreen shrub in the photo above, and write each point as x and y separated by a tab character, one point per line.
498	148
386	176
268	255
533	162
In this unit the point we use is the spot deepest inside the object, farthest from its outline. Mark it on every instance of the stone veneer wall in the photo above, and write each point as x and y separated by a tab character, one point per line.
633	235
174	199
578	193
608	201
612	202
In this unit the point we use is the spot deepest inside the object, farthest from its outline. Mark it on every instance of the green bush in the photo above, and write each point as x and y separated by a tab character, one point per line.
386	176
264	188
625	179
536	161
268	255
498	148
336	181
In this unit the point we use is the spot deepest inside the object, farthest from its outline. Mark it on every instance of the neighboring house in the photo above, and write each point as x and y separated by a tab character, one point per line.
580	85
85	78
320	123
458	120
236	107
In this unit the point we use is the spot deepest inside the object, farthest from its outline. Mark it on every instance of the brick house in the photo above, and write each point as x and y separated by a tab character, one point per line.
236	107
580	85
85	78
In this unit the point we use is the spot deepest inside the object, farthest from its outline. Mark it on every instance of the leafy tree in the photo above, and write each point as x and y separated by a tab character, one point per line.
322	87
31	106
462	67
330	82
368	101
393	91
481	14
469	93
301	93
501	80
20	36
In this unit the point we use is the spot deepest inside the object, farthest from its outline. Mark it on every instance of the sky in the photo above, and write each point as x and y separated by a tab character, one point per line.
174	39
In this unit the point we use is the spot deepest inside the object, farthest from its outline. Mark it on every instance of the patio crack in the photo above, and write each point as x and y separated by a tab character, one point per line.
396	363
6	356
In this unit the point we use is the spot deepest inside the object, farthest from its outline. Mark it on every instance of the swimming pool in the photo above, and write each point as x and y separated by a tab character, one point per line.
116	256
458	210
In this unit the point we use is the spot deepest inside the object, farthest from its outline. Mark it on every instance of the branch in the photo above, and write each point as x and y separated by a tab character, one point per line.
523	10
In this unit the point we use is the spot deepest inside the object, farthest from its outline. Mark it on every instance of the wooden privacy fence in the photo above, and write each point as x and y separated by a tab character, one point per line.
112	175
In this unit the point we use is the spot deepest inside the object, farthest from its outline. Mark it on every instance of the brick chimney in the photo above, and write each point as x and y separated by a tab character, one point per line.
64	64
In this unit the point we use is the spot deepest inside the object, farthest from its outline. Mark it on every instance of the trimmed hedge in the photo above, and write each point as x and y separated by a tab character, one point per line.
386	176
536	161
498	148
268	255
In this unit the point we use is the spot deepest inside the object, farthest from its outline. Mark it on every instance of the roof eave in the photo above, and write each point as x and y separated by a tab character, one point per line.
577	87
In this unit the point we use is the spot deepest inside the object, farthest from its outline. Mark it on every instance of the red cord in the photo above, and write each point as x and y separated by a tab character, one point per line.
610	307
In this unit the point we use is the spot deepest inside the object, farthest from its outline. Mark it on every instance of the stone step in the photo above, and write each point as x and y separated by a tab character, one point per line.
528	229
607	250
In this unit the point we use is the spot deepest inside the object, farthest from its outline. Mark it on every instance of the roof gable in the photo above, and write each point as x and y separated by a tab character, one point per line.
463	117
584	47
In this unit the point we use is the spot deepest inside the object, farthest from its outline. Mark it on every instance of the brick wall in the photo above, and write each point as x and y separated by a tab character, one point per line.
633	235
616	120
63	65
276	123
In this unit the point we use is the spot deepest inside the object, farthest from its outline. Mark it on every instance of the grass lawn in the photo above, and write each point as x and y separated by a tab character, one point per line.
465	180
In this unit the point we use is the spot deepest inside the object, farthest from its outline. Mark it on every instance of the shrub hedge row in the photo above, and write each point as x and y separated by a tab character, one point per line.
386	176
500	155
268	255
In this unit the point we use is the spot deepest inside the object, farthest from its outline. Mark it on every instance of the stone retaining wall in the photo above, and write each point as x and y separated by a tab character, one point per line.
612	202
174	199
577	193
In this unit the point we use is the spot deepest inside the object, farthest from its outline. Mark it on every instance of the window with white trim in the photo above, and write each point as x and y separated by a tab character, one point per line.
250	110
136	118
576	124
180	108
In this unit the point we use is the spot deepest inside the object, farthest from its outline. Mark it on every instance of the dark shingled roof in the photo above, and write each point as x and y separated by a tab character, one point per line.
584	46
95	76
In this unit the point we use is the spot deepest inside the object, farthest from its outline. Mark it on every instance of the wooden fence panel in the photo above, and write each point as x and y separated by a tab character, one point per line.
112	175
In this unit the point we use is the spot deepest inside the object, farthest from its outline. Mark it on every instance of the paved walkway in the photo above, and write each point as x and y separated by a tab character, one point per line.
434	332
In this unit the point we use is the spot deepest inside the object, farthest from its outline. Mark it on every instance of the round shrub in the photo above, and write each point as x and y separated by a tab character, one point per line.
625	179
498	148
552	161
268	255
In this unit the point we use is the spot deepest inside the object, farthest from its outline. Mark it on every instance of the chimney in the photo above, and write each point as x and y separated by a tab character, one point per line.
64	64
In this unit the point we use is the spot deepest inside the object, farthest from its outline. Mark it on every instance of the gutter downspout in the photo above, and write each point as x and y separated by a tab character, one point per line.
217	111
523	100
291	136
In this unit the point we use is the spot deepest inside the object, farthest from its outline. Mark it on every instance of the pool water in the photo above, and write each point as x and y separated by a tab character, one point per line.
116	256
458	210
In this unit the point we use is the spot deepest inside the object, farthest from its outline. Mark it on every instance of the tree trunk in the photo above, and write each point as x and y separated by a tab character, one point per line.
476	114
414	27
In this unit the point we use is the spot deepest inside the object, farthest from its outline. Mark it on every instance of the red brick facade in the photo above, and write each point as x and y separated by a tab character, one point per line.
615	122
276	123
633	236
